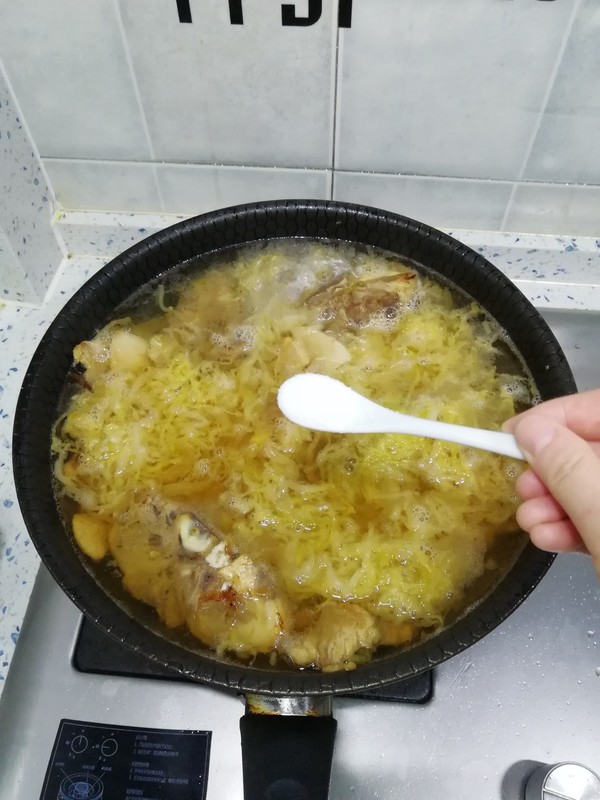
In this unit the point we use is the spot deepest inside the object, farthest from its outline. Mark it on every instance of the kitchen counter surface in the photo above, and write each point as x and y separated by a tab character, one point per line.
21	328
556	274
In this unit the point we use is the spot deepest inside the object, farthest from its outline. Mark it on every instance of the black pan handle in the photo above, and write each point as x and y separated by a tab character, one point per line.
287	757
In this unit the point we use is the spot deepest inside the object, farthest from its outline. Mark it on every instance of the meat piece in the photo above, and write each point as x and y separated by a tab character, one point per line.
362	302
333	639
255	626
396	633
190	573
229	599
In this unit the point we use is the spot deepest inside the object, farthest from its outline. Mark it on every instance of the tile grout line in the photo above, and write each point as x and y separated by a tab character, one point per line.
304	170
541	113
138	97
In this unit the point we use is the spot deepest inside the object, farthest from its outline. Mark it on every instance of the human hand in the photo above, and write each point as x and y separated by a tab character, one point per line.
561	492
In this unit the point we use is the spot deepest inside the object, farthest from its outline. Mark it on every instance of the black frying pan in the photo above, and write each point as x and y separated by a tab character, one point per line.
100	596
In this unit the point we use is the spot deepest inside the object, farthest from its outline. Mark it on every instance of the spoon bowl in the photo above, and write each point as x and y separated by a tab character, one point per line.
326	404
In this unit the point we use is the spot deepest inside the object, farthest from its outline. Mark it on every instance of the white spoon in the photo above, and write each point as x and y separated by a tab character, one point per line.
326	404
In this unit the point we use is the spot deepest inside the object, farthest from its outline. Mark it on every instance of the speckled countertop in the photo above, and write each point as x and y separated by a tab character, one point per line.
21	328
553	272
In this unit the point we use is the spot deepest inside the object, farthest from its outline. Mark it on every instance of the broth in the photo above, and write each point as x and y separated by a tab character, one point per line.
261	537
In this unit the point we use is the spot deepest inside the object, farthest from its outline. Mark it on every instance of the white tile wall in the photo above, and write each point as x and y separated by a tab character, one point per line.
70	71
445	88
188	189
440	202
564	210
105	185
471	113
177	188
258	94
567	146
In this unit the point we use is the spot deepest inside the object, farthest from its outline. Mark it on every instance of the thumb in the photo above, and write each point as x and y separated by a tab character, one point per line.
569	468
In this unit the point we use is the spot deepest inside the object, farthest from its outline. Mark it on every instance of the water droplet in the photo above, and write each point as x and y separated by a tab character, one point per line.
530	636
591	633
597	671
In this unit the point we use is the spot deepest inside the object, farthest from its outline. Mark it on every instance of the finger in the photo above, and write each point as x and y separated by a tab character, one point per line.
528	485
558	537
579	412
570	469
538	511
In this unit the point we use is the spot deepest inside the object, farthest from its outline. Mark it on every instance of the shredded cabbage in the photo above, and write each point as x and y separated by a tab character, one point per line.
180	412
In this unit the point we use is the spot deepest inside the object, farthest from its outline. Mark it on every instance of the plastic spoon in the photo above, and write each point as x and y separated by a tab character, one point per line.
326	404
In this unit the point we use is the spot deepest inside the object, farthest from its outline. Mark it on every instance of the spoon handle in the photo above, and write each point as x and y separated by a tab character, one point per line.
504	444
370	417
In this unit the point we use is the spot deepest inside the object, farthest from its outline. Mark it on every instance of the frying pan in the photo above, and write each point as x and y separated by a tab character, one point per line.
287	732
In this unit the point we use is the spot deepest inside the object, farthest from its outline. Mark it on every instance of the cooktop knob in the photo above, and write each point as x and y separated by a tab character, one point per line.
565	781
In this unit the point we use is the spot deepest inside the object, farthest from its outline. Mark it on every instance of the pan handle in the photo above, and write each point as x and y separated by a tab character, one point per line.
287	755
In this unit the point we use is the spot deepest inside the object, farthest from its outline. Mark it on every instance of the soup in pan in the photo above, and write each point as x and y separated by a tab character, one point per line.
262	537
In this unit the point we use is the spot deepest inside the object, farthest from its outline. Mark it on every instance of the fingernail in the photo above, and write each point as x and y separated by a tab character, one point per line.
533	434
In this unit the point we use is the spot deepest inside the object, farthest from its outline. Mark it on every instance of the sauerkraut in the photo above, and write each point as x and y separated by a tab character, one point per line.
264	537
